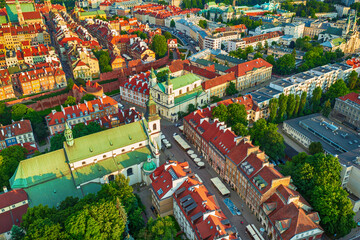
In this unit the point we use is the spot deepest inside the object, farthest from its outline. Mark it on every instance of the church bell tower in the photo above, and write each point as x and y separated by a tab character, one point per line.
68	135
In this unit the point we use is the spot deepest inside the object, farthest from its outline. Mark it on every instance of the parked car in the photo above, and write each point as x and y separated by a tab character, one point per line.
175	134
238	212
162	136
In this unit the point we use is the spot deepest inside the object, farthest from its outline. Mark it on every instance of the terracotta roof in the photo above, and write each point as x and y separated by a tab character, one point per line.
163	177
31	15
138	83
13	216
195	201
81	109
15	129
214	82
262	37
243	68
354	97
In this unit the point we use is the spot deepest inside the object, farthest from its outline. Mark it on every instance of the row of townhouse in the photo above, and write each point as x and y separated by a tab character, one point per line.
41	79
120	46
323	77
19	132
6	86
81	113
179	192
243	43
29	56
157	14
24	36
104	110
75	46
282	211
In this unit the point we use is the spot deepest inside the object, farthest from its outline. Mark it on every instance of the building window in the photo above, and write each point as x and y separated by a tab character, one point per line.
83	163
154	126
129	172
104	156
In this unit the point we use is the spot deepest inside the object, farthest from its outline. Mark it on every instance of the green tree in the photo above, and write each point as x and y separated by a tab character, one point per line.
160	228
167	35
258	55
231	89
240	129
273	106
336	90
87	97
315	99
315	147
159	45
353	80
17	233
70	101
327	108
297	105
96	221
56	141
265	135
19	111
266	45
302	103
191	108
70	84
44	229
203	24
259	47
291	104
236	114
9	160
282	107
285	65
220	112
318	180
172	23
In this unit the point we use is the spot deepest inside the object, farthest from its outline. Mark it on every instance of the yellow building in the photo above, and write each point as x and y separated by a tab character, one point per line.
118	62
84	15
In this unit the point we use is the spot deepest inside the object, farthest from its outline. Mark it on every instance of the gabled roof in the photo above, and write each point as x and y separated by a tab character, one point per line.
218	80
163	177
12	216
243	68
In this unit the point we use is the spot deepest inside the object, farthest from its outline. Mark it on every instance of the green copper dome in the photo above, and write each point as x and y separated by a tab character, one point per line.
149	166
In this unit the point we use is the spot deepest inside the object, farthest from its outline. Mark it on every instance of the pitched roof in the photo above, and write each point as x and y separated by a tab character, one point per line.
15	129
105	141
12	216
184	80
243	68
218	80
353	97
164	176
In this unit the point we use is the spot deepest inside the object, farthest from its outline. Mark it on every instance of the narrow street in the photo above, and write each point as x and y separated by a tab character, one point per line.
176	153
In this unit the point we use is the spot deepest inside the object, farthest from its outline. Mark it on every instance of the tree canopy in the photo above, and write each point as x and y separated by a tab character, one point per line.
104	60
101	216
231	89
265	135
232	114
159	45
318	180
9	160
315	147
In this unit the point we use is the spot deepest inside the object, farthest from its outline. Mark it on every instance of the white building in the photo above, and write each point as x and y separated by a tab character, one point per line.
294	29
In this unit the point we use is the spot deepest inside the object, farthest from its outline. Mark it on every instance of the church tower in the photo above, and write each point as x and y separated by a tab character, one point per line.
153	120
68	135
19	13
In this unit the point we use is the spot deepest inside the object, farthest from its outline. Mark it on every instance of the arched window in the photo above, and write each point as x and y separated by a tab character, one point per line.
187	89
180	92
154	126
111	178
129	172
159	96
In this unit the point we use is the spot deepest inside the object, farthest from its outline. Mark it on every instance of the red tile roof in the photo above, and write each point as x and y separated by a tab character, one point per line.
31	15
162	178
15	129
243	68
13	216
218	80
195	195
354	97
262	37
81	109
138	83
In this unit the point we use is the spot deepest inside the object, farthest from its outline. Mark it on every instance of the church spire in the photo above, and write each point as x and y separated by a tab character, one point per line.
19	13
151	113
68	135
152	78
